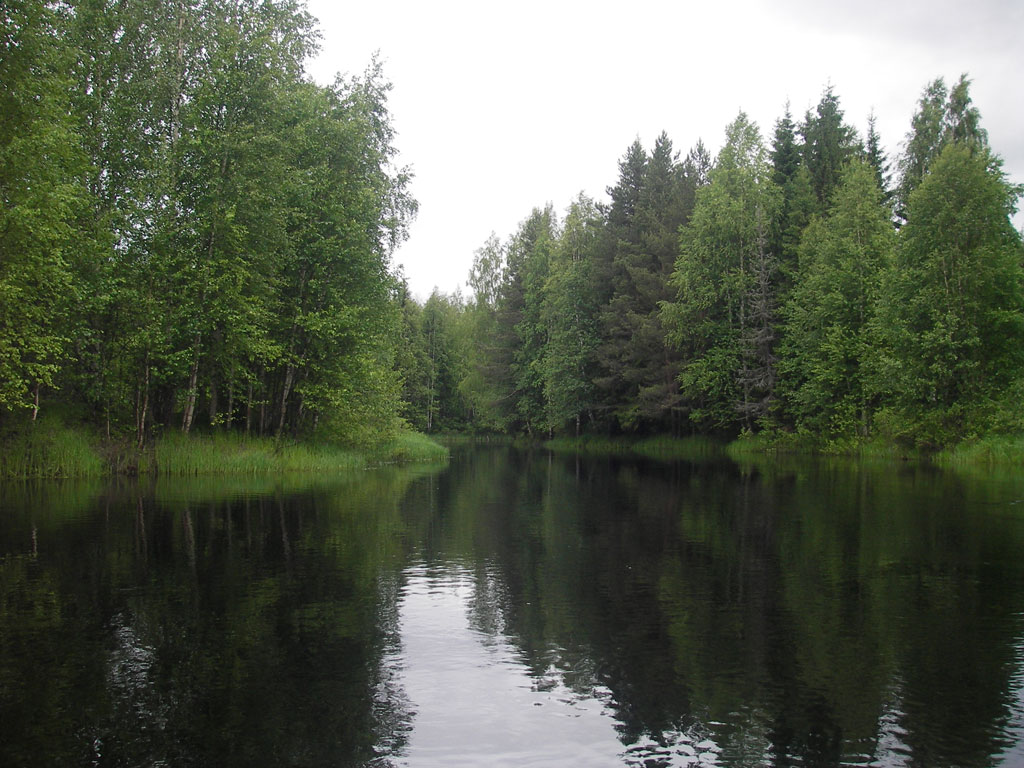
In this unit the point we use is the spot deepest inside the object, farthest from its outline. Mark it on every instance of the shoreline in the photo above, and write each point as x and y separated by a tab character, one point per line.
53	450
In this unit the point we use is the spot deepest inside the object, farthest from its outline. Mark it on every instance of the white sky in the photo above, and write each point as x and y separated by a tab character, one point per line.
503	107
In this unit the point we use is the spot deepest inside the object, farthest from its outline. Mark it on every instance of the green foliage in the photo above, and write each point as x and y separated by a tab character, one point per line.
991	450
570	313
225	454
828	341
828	145
196	236
942	117
193	233
654	197
445	365
725	281
529	264
48	448
410	447
43	238
952	312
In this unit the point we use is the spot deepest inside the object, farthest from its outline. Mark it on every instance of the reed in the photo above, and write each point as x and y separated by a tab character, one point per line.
48	448
227	454
596	445
985	451
685	448
410	447
222	454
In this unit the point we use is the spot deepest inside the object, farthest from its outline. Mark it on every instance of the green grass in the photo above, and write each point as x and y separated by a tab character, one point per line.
223	454
471	438
594	445
993	450
795	444
686	448
410	447
659	447
51	448
48	448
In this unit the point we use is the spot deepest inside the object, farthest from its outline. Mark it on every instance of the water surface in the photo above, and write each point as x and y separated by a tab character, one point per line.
518	609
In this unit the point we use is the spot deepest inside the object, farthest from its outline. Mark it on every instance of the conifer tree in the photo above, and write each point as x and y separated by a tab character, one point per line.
876	158
828	144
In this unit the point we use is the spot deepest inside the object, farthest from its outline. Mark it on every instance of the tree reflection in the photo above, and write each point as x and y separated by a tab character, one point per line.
187	629
770	613
816	613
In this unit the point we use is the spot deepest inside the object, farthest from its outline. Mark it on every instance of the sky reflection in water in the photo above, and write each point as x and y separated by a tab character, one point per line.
475	702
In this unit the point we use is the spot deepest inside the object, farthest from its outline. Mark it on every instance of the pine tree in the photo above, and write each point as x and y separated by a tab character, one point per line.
790	174
875	156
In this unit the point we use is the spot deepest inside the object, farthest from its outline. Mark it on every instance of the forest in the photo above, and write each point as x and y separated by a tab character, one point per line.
196	236
805	289
193	233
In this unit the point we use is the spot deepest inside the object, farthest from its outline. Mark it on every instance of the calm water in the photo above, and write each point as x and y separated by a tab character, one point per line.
518	609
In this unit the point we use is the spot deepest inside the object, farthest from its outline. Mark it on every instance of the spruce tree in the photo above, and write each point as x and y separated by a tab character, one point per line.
828	144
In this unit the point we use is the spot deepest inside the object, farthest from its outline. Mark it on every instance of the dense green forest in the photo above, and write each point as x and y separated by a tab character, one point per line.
195	235
803	288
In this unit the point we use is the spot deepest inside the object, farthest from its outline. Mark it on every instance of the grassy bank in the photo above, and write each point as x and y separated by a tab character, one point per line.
789	444
48	448
595	445
994	450
52	449
658	447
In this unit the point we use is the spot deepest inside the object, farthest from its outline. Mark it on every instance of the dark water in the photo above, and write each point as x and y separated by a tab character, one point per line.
518	609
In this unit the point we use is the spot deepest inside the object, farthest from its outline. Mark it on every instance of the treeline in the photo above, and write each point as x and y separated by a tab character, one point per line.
801	288
193	233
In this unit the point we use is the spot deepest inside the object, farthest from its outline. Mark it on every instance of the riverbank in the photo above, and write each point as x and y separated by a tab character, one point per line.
994	450
52	449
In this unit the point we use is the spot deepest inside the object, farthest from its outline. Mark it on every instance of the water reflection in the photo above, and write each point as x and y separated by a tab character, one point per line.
517	609
139	627
475	700
816	614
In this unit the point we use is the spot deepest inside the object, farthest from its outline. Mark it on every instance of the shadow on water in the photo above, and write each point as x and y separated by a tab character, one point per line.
518	608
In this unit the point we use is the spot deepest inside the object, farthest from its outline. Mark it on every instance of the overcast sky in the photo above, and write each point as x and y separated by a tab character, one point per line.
503	107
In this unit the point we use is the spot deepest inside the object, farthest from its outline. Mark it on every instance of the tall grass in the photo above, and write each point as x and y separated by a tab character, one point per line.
176	454
48	448
409	447
993	450
659	447
685	448
597	445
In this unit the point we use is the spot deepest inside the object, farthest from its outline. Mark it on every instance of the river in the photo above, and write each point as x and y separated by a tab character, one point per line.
518	608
